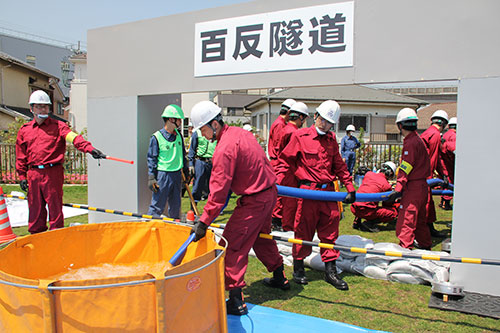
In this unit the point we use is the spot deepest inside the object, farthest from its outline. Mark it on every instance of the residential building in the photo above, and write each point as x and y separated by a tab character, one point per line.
425	113
371	109
77	108
45	54
18	80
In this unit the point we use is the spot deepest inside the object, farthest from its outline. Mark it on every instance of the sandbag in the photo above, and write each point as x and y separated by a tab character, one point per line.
405	267
404	278
314	261
382	261
374	273
353	241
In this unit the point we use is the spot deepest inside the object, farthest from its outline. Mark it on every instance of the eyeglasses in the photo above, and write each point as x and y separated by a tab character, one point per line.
324	120
40	106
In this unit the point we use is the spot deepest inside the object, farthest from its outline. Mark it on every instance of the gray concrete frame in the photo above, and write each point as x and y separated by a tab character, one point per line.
134	67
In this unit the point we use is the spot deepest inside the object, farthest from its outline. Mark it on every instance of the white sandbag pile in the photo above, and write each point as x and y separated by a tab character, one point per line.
397	269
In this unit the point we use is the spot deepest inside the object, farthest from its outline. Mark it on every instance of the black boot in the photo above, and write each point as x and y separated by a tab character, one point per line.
356	224
276	224
299	273
370	226
332	277
446	205
434	232
235	305
416	245
278	280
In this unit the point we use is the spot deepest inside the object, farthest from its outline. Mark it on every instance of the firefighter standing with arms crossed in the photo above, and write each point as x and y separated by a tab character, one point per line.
40	149
241	166
312	155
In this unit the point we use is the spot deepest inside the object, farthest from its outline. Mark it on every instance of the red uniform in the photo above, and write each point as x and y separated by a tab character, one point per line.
448	155
412	182
240	165
273	150
316	162
432	140
40	153
374	183
289	204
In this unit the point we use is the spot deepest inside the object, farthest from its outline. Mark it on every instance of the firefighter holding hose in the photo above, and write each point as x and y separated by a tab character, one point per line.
241	166
40	149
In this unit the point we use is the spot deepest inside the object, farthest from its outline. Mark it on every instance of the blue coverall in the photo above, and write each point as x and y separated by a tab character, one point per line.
348	147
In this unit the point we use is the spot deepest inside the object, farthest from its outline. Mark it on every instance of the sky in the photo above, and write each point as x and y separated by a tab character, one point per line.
68	21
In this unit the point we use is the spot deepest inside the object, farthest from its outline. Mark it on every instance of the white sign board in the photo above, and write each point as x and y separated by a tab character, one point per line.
301	38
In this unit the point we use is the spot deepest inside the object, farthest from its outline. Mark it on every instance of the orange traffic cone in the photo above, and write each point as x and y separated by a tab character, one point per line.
190	216
6	233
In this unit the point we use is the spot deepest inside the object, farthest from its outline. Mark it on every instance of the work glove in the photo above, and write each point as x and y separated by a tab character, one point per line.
393	196
350	197
191	171
200	230
97	154
24	185
153	184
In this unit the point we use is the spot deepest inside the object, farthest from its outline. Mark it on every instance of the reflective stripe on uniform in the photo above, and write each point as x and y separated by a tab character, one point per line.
406	167
70	137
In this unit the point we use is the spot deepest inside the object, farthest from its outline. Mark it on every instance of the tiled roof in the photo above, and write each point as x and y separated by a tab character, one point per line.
424	114
345	93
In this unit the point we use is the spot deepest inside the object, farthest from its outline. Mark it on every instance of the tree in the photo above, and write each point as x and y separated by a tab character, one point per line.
11	135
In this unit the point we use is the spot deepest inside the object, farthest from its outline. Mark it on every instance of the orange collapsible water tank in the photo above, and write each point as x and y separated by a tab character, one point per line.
189	297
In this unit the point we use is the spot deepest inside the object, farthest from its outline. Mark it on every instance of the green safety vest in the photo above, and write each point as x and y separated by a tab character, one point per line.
170	155
205	147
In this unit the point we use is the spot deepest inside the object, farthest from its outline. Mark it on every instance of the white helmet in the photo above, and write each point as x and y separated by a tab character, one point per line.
39	97
350	128
406	114
329	110
300	108
453	121
190	124
203	112
440	114
288	103
247	127
391	165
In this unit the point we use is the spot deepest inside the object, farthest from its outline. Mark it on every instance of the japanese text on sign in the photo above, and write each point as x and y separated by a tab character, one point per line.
302	38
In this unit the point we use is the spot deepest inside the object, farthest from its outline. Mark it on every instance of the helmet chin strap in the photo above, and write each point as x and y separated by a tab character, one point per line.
214	135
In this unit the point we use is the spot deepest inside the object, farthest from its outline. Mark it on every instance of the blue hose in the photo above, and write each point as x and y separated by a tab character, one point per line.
438	181
295	192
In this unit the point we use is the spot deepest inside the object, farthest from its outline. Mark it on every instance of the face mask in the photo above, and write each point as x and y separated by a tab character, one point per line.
42	116
320	132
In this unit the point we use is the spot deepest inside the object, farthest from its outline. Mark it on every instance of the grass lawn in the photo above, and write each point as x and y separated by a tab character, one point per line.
374	304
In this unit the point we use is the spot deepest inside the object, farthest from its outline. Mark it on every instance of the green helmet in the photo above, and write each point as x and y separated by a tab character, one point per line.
173	111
